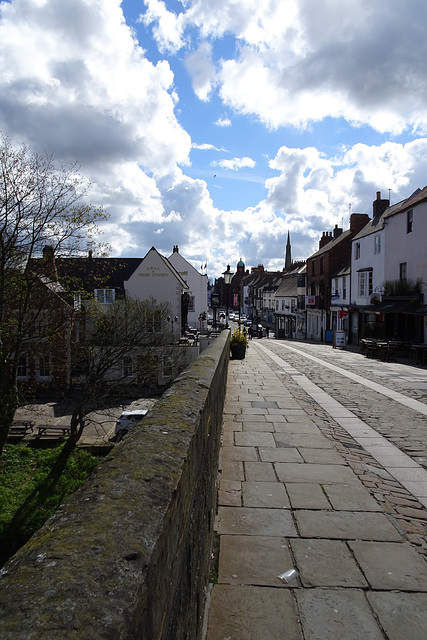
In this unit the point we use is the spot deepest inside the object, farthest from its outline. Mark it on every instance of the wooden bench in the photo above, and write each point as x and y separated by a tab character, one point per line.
21	427
46	429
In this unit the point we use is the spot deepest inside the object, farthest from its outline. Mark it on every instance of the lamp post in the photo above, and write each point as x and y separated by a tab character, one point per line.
172	320
228	276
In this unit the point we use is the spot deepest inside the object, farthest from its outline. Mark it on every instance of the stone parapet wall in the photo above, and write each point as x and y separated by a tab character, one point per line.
128	555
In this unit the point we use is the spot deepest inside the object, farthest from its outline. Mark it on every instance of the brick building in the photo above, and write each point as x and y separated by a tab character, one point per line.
333	255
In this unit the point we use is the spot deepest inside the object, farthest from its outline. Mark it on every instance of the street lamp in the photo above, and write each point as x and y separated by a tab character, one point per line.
228	276
172	320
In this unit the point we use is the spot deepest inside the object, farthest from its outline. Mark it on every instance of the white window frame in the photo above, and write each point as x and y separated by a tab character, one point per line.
377	244
22	371
43	362
364	283
105	296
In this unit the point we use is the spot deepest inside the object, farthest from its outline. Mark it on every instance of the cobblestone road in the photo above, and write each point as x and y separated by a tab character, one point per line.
365	394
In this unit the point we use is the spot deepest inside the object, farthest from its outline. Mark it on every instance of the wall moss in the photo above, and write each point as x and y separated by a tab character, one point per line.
127	556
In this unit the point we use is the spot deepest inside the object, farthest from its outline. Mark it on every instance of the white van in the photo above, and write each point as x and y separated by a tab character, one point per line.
129	419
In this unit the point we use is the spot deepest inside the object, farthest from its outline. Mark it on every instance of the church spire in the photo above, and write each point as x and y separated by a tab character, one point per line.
288	259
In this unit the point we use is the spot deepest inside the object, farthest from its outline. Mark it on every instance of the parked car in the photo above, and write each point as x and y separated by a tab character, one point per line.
129	419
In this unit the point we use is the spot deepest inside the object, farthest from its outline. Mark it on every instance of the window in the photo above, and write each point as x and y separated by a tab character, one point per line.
322	265
364	283
357	251
344	287
44	366
377	244
403	270
77	301
191	303
337	293
22	367
409	221
105	296
313	268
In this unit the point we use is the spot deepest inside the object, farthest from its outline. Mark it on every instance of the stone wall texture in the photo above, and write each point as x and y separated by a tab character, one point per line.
128	555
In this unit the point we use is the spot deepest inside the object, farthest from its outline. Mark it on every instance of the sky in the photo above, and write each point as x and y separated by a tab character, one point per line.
222	125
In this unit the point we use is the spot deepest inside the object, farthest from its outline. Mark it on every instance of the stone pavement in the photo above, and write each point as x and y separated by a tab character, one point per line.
293	495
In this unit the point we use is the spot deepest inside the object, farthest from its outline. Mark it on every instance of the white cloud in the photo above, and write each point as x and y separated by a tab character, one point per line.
223	121
235	163
168	26
298	62
65	88
202	70
73	80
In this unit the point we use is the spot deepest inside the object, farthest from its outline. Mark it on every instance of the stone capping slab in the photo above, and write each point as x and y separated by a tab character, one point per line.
111	563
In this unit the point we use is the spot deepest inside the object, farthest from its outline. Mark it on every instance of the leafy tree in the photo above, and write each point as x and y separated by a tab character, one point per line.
40	203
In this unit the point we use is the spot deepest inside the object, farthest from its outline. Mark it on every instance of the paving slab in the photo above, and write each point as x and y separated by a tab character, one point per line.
297	427
254	560
232	470
403	616
254	439
354	497
390	566
252	613
329	614
239	453
302	440
261	471
265	494
284	454
326	563
320	456
307	495
321	473
229	493
255	521
346	525
248	425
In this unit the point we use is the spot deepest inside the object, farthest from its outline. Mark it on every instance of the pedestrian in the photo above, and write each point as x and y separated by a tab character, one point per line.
250	332
267	330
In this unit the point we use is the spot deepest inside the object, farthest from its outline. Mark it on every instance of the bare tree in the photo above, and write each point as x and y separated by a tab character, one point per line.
40	203
128	328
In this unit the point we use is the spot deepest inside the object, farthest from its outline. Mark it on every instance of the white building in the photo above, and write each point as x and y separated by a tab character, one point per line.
368	269
197	289
389	249
406	256
156	277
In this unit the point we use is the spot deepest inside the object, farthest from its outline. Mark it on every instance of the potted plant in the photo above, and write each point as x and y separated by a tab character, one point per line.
238	344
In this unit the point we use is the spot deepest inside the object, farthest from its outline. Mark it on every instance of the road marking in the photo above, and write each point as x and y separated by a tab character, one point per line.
398	464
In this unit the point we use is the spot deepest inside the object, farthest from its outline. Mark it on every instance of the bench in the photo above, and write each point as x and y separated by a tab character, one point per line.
58	429
21	427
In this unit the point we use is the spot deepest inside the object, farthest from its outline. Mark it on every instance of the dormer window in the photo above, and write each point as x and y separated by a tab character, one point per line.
105	296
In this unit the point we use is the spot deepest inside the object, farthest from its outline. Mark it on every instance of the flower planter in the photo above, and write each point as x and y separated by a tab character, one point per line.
238	351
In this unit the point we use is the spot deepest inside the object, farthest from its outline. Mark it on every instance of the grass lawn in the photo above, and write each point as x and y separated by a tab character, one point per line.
22	473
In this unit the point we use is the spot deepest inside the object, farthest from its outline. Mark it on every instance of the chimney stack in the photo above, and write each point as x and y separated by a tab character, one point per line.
175	248
326	237
379	205
337	231
358	221
49	267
